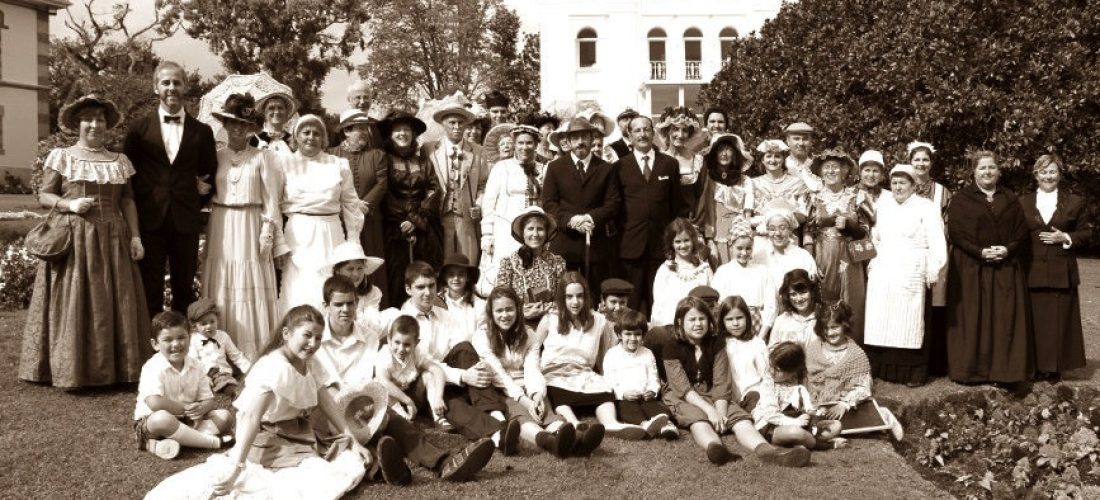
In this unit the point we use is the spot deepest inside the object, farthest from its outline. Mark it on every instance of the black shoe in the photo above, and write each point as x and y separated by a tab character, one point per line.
718	454
463	464
589	437
558	443
798	456
509	437
391	461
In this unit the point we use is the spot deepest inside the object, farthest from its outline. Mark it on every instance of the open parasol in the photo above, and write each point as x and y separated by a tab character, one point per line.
259	85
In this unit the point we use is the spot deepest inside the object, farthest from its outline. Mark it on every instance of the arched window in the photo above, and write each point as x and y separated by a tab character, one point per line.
586	47
693	53
657	59
725	40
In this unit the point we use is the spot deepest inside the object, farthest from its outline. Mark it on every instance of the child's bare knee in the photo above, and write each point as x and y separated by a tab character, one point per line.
161	423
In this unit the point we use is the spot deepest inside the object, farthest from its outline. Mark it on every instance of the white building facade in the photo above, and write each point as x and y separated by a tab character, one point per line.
643	54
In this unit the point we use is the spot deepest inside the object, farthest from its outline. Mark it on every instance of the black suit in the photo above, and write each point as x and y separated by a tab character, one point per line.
648	207
620	147
566	193
169	204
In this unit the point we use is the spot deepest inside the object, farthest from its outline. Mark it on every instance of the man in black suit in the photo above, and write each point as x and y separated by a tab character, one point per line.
581	193
174	159
649	181
622	146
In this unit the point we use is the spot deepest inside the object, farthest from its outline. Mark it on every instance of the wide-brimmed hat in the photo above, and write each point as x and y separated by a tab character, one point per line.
459	260
291	104
539	119
592	115
351	117
773	146
678	119
67	117
386	126
453	108
574	126
239	108
533	211
904	168
365	409
799	128
492	138
352	250
871	156
736	143
832	154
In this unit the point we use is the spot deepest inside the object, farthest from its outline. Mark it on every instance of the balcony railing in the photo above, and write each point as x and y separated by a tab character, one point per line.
657	70
692	70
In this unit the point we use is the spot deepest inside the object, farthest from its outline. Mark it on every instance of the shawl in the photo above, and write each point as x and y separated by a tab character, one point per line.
829	382
684	352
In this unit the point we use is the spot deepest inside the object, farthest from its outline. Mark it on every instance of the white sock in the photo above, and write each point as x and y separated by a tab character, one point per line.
496	438
497	415
192	438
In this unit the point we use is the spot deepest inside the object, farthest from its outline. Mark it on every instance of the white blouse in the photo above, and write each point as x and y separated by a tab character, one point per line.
752	283
792	327
517	371
295	394
670	286
320	185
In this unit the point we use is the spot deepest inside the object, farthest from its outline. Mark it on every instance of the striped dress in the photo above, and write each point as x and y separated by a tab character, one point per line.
911	252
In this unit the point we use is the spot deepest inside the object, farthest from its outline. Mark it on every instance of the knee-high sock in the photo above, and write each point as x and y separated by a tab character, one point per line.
192	438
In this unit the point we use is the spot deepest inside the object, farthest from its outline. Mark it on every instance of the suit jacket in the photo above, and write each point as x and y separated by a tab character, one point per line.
1051	266
565	193
620	147
474	172
160	184
648	207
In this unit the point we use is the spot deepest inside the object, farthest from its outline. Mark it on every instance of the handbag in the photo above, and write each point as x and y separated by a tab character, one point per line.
862	250
52	239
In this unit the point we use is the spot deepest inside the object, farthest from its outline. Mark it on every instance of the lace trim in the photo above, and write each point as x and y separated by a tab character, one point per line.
113	171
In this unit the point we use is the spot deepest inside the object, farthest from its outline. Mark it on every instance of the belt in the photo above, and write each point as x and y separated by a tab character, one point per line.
330	214
246	205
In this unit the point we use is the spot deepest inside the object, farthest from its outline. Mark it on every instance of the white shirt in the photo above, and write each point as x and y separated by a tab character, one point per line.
638	155
160	378
1047	203
216	352
172	133
587	160
348	362
631	371
438	334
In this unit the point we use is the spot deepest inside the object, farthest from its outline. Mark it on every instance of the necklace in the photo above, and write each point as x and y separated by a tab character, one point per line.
236	171
90	149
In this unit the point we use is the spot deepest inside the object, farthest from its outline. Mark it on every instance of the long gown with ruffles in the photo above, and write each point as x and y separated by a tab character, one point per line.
841	278
235	275
88	324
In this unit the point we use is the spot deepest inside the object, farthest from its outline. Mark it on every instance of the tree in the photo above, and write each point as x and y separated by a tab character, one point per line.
512	71
1020	77
297	42
429	48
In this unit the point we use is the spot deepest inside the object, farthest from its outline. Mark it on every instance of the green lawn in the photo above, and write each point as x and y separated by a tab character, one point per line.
63	445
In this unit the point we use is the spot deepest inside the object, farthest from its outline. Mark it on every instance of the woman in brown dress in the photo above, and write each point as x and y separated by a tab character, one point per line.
1056	221
88	324
988	329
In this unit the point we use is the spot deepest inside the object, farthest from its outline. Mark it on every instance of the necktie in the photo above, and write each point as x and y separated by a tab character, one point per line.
645	168
171	119
580	167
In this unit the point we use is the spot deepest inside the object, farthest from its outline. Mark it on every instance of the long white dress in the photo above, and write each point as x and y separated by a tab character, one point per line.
506	196
238	279
319	199
911	251
670	286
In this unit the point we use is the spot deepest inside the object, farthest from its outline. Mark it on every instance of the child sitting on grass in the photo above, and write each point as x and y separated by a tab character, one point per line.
175	406
839	372
747	353
631	369
785	414
214	348
400	371
799	297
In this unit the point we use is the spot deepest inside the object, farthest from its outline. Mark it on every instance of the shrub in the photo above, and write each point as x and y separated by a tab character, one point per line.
1018	77
12	230
17	272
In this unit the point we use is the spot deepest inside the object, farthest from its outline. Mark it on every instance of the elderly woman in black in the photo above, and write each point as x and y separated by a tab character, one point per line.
1056	221
988	332
410	210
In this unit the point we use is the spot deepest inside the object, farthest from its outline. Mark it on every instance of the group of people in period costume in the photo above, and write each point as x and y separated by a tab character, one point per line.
504	280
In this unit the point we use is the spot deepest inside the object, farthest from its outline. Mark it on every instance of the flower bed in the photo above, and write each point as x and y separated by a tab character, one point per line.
17	271
991	444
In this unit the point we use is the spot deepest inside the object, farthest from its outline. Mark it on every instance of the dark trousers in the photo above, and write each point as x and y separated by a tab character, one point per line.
636	412
180	251
471	422
413	444
640	273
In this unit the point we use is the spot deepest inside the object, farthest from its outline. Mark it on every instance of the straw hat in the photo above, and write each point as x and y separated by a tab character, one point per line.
533	211
69	122
291	104
594	115
837	154
492	138
351	117
454	107
799	128
525	129
365	409
574	126
351	250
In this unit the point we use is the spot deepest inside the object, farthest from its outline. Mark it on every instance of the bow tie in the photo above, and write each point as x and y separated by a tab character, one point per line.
266	137
172	119
205	341
426	315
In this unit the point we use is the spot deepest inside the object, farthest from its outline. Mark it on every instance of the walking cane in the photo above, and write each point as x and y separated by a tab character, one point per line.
587	254
411	239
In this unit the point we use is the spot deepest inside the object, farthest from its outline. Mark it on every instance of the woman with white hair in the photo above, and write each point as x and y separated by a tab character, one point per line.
318	198
778	250
912	250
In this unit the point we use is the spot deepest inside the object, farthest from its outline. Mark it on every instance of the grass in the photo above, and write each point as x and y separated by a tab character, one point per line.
11	230
79	444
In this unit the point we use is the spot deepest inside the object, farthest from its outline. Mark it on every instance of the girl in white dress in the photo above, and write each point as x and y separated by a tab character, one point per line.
350	261
748	280
747	353
683	271
323	210
275	454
